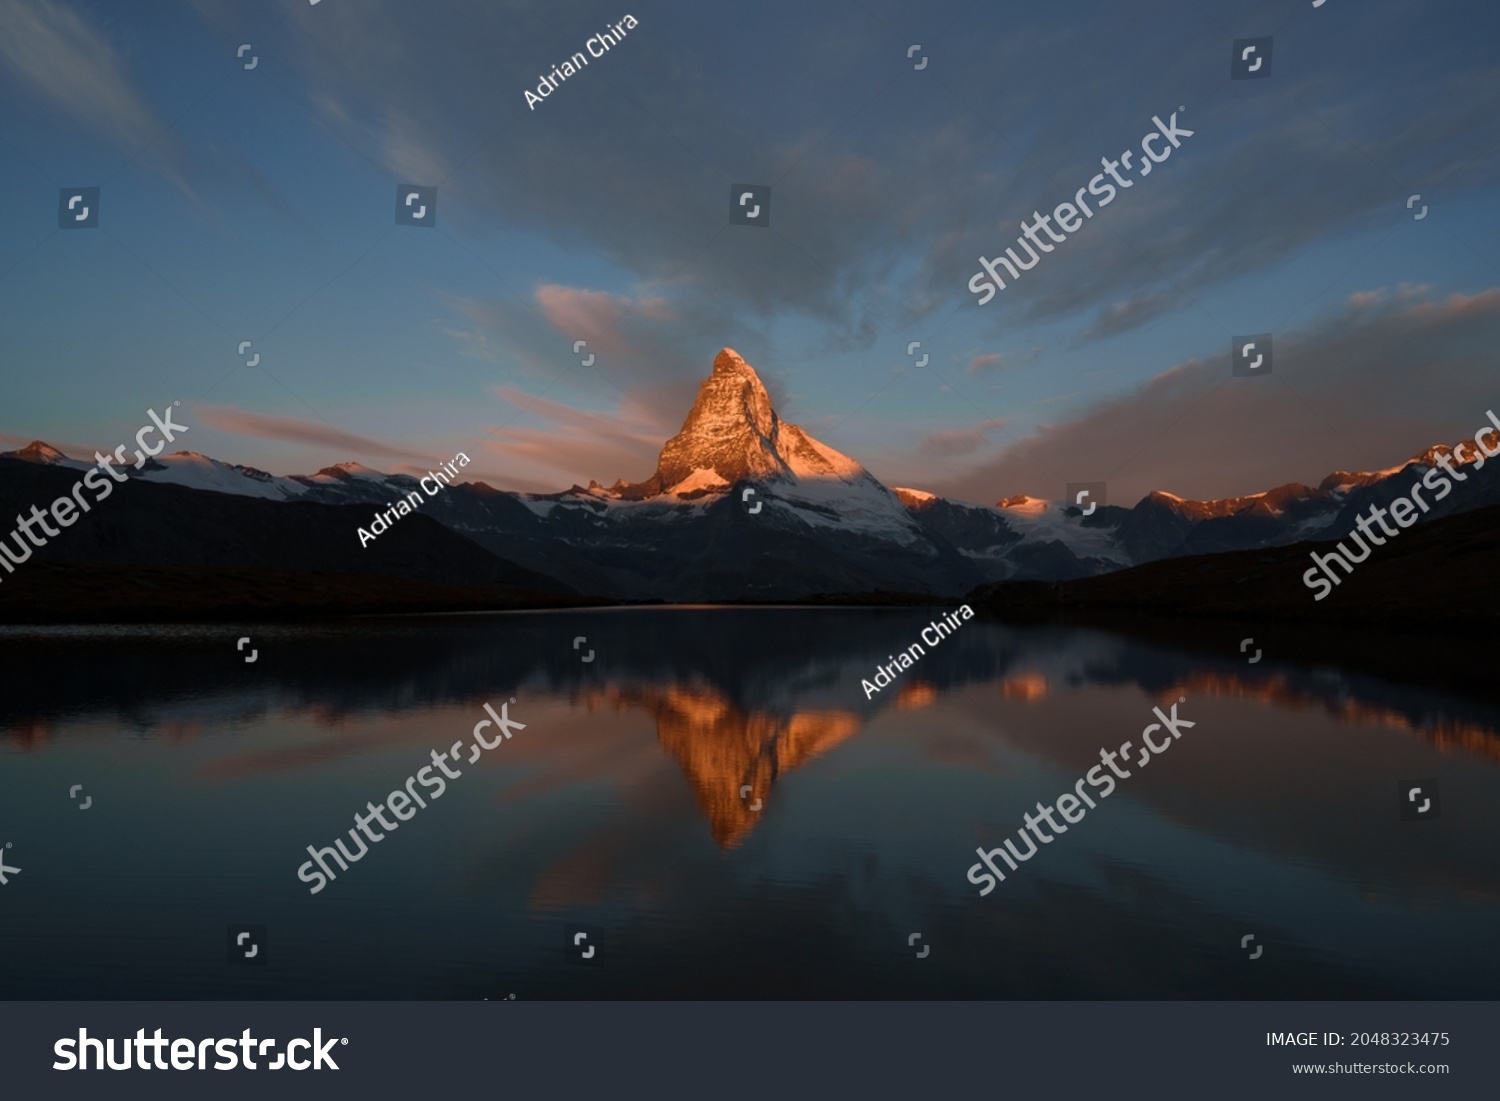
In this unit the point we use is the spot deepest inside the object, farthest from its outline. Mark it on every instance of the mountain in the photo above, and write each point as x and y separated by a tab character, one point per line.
1027	539
44	454
1439	572
741	506
733	435
160	552
195	471
722	746
784	514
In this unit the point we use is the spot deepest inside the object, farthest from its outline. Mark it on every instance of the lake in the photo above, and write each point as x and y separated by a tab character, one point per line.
715	809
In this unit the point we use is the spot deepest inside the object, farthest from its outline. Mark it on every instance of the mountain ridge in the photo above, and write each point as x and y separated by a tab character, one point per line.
743	505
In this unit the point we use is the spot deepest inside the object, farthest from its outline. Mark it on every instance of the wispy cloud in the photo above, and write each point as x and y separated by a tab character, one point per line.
52	52
1131	313
578	446
1004	361
637	342
298	430
957	442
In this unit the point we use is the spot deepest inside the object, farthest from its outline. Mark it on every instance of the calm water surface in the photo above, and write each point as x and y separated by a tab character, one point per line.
617	813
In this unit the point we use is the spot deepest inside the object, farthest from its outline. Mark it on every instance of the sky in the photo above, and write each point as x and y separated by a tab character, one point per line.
901	141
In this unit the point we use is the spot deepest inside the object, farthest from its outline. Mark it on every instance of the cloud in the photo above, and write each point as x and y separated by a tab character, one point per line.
647	362
614	325
636	154
1212	214
578	446
640	345
1362	387
298	430
1133	312
1004	361
632	161
957	442
55	54
12	442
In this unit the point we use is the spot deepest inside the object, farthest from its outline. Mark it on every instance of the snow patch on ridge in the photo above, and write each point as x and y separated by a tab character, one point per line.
339	471
195	471
913	498
1024	506
700	480
1039	521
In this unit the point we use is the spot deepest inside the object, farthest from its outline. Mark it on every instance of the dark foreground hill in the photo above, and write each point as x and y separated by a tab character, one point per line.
1441	573
162	552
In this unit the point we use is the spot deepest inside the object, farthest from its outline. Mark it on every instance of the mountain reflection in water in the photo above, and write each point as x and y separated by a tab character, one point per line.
716	800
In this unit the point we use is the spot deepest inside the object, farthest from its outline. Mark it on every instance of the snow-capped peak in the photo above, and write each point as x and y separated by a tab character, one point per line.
732	434
47	455
339	471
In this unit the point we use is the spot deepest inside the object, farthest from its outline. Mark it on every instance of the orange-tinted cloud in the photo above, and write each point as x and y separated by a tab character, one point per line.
580	445
959	441
597	317
298	430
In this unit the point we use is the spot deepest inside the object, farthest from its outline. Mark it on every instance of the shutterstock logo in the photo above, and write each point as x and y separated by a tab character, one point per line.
66	510
1251	356
78	208
1039	237
1073	806
1251	58
153	1053
403	804
750	205
1402	511
1087	497
416	205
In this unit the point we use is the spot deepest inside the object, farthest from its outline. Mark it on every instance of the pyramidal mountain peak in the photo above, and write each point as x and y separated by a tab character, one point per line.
38	452
733	434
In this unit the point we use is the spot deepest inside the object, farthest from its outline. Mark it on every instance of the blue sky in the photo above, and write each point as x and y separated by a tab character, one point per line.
259	205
